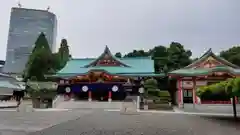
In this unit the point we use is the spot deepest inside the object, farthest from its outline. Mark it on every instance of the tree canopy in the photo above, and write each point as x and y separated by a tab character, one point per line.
42	61
230	88
118	55
151	88
165	58
138	53
174	57
232	55
39	60
151	83
63	53
226	89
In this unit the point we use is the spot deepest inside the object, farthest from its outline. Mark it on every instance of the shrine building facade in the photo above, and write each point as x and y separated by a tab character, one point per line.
208	69
105	77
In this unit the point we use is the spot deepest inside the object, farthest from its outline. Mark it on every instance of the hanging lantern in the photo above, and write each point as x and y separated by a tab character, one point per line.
115	88
85	88
68	89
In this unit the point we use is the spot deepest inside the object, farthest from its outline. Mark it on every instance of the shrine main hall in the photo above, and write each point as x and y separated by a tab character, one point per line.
110	78
104	78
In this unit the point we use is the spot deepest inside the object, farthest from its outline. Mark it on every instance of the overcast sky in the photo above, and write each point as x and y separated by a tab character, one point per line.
125	25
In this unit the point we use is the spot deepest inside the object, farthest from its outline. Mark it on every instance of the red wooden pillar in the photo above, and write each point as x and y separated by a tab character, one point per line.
195	101
89	95
180	92
109	96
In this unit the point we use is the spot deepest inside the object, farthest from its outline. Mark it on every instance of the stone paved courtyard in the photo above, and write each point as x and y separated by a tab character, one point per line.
211	108
116	123
99	122
21	123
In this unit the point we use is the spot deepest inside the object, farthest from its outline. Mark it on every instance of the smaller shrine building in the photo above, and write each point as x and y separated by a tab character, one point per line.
105	77
208	69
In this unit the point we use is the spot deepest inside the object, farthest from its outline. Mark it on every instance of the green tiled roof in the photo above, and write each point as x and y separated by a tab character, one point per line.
141	65
138	66
190	71
204	71
144	75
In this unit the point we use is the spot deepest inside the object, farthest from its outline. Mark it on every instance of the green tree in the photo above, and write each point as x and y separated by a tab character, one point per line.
151	84
40	60
41	43
56	63
232	55
160	57
166	59
63	53
118	55
151	88
178	57
170	58
138	53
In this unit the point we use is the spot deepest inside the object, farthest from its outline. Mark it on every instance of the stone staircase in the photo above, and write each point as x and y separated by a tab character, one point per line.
89	105
121	106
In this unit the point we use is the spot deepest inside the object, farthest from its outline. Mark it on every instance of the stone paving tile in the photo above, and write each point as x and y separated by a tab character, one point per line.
34	121
210	108
12	132
116	123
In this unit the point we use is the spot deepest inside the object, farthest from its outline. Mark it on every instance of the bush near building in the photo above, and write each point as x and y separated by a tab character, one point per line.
157	100
225	89
41	92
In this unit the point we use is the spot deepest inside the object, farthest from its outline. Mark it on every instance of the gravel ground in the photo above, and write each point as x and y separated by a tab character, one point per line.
116	123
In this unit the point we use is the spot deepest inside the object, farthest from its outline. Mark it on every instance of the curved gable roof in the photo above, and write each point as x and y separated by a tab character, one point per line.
208	54
106	52
137	65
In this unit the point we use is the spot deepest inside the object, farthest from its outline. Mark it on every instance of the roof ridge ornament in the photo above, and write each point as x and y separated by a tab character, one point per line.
105	53
210	50
107	49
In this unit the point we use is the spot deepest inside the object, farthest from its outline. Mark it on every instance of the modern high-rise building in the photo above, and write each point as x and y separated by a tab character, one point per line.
25	27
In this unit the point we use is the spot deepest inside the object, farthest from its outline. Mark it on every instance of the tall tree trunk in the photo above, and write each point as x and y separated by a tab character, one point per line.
234	108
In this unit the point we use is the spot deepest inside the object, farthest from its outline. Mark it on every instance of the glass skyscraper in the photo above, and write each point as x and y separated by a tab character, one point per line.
25	27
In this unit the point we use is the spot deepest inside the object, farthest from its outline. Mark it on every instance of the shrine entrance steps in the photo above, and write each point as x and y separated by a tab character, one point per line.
114	105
